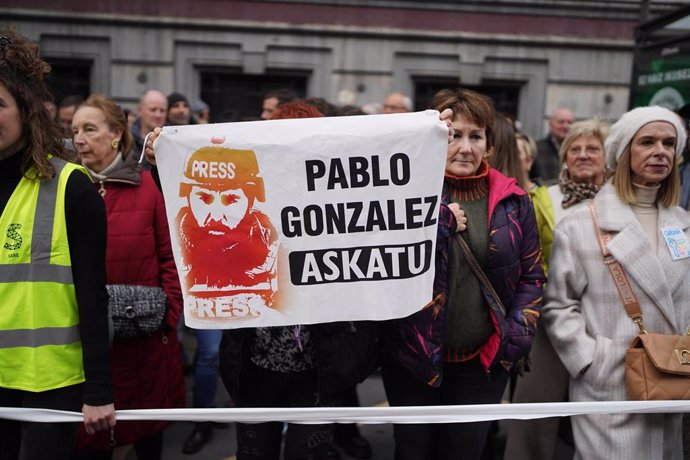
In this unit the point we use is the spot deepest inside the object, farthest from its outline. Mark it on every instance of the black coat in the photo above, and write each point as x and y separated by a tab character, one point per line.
346	354
547	165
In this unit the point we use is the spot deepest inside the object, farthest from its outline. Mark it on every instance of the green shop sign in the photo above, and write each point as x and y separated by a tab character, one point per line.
662	76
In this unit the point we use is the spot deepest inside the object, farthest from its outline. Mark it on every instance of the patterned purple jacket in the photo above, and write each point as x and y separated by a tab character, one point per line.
513	265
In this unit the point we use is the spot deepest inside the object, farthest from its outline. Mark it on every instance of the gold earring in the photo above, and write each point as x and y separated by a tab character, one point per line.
115	143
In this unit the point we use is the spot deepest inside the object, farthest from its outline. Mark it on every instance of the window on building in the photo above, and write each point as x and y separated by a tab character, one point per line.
234	96
68	77
504	94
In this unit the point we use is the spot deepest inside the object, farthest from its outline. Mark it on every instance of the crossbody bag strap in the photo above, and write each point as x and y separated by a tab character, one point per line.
620	277
477	269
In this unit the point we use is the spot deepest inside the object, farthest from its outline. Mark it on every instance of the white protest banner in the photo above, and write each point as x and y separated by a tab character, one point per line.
303	221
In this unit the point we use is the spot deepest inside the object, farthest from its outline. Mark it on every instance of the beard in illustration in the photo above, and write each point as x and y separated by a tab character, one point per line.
225	242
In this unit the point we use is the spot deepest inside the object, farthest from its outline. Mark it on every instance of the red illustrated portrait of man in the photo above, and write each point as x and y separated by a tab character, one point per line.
228	247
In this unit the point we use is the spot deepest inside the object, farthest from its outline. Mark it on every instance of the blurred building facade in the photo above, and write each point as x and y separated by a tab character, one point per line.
529	56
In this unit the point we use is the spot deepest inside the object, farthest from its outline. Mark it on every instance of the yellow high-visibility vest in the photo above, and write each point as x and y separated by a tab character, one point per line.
40	347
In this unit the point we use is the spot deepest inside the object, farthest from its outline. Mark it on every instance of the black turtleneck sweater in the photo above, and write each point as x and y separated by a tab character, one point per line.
86	234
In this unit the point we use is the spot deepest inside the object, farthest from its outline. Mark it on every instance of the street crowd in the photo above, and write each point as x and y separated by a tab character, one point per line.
522	298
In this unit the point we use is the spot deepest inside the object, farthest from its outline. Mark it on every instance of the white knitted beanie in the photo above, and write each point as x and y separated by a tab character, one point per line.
623	131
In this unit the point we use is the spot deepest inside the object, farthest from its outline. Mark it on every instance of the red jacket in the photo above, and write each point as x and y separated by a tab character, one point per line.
146	371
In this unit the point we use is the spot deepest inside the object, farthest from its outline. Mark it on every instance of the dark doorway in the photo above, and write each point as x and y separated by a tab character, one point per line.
504	94
68	77
234	96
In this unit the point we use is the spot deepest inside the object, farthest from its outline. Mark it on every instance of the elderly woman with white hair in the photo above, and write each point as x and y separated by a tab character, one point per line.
584	314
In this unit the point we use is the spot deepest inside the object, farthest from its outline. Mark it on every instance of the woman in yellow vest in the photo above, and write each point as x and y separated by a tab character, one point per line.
53	301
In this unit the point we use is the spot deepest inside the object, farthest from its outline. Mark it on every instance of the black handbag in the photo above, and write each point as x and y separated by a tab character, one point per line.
136	311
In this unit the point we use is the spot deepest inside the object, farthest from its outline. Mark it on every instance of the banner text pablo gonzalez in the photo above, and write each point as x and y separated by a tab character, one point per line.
370	263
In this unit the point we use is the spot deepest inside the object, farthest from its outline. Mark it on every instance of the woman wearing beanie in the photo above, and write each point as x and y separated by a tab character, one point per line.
584	314
461	348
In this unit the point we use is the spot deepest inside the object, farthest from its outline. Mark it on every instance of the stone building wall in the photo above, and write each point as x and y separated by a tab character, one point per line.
557	53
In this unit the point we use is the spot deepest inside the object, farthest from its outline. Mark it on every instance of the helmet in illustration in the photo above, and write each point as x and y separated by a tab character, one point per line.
222	168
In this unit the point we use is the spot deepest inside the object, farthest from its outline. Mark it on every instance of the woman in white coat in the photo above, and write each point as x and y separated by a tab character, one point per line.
584	314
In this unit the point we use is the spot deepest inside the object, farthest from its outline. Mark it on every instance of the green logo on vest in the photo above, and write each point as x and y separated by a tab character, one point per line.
13	235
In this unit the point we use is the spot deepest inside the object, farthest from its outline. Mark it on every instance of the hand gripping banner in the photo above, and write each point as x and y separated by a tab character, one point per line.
303	221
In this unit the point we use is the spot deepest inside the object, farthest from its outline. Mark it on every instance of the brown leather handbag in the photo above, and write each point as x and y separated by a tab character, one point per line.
657	366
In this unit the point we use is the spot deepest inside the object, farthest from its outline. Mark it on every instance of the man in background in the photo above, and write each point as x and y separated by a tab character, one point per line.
153	107
201	112
397	103
274	98
66	111
179	112
546	166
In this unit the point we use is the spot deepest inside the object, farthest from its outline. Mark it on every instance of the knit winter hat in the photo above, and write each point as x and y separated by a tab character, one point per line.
199	105
623	131
174	98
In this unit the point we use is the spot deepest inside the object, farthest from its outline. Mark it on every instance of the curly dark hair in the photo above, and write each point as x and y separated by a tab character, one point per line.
23	74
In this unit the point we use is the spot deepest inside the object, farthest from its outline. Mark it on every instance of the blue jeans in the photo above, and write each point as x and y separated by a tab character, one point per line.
206	367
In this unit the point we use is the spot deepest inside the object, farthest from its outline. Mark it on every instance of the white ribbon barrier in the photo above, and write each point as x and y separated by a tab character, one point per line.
368	415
